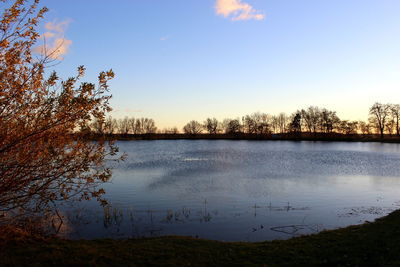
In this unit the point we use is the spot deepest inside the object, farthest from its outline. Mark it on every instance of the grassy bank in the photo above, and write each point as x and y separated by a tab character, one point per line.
370	244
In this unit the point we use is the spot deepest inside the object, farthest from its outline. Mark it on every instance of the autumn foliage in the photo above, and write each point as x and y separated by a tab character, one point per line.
43	157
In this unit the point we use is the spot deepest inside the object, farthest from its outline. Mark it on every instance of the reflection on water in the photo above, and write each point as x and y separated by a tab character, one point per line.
241	190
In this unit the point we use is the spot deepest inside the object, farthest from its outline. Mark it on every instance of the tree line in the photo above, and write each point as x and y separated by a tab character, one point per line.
122	126
383	119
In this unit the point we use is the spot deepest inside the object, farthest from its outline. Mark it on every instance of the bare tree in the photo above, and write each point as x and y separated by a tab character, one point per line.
142	126
123	126
274	124
98	126
254	123
131	122
390	126
193	127
364	127
138	127
378	116
149	126
233	126
295	124
311	118
328	120
211	125
249	124
348	127
282	122
173	130
395	114
110	126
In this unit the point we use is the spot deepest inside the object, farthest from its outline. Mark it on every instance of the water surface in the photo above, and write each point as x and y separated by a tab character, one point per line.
241	190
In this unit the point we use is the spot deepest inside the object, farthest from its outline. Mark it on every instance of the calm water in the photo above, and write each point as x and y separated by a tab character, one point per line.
241	190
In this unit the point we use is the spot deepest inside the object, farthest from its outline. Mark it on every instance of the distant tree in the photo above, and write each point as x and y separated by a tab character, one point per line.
278	123
390	126
110	126
233	126
211	125
378	116
274	124
395	114
123	125
143	126
311	118
254	123
295	124
132	122
249	124
265	124
149	126
224	125
138	127
364	127
193	127
173	130
98	126
328	120
348	127
282	121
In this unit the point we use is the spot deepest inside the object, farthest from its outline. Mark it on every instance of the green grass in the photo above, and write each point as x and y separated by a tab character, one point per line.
370	244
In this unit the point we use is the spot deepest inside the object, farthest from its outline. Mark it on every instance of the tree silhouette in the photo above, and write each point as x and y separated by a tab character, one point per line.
211	125
395	114
364	127
311	118
233	126
378	116
348	127
328	120
295	125
193	127
282	120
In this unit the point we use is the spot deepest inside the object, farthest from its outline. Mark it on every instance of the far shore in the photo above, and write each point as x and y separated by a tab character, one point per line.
327	137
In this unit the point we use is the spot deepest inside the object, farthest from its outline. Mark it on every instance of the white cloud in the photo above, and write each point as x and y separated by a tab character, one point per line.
55	45
237	10
164	38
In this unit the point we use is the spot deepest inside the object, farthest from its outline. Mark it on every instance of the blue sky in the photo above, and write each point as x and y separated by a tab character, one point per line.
178	60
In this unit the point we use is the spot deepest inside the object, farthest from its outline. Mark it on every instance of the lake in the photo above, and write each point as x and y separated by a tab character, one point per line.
241	190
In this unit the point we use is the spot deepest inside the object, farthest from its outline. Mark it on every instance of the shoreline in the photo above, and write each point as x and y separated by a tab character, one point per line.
368	244
332	137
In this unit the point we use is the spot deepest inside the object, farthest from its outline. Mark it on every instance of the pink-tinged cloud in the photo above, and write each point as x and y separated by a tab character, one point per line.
237	10
59	27
49	35
55	45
